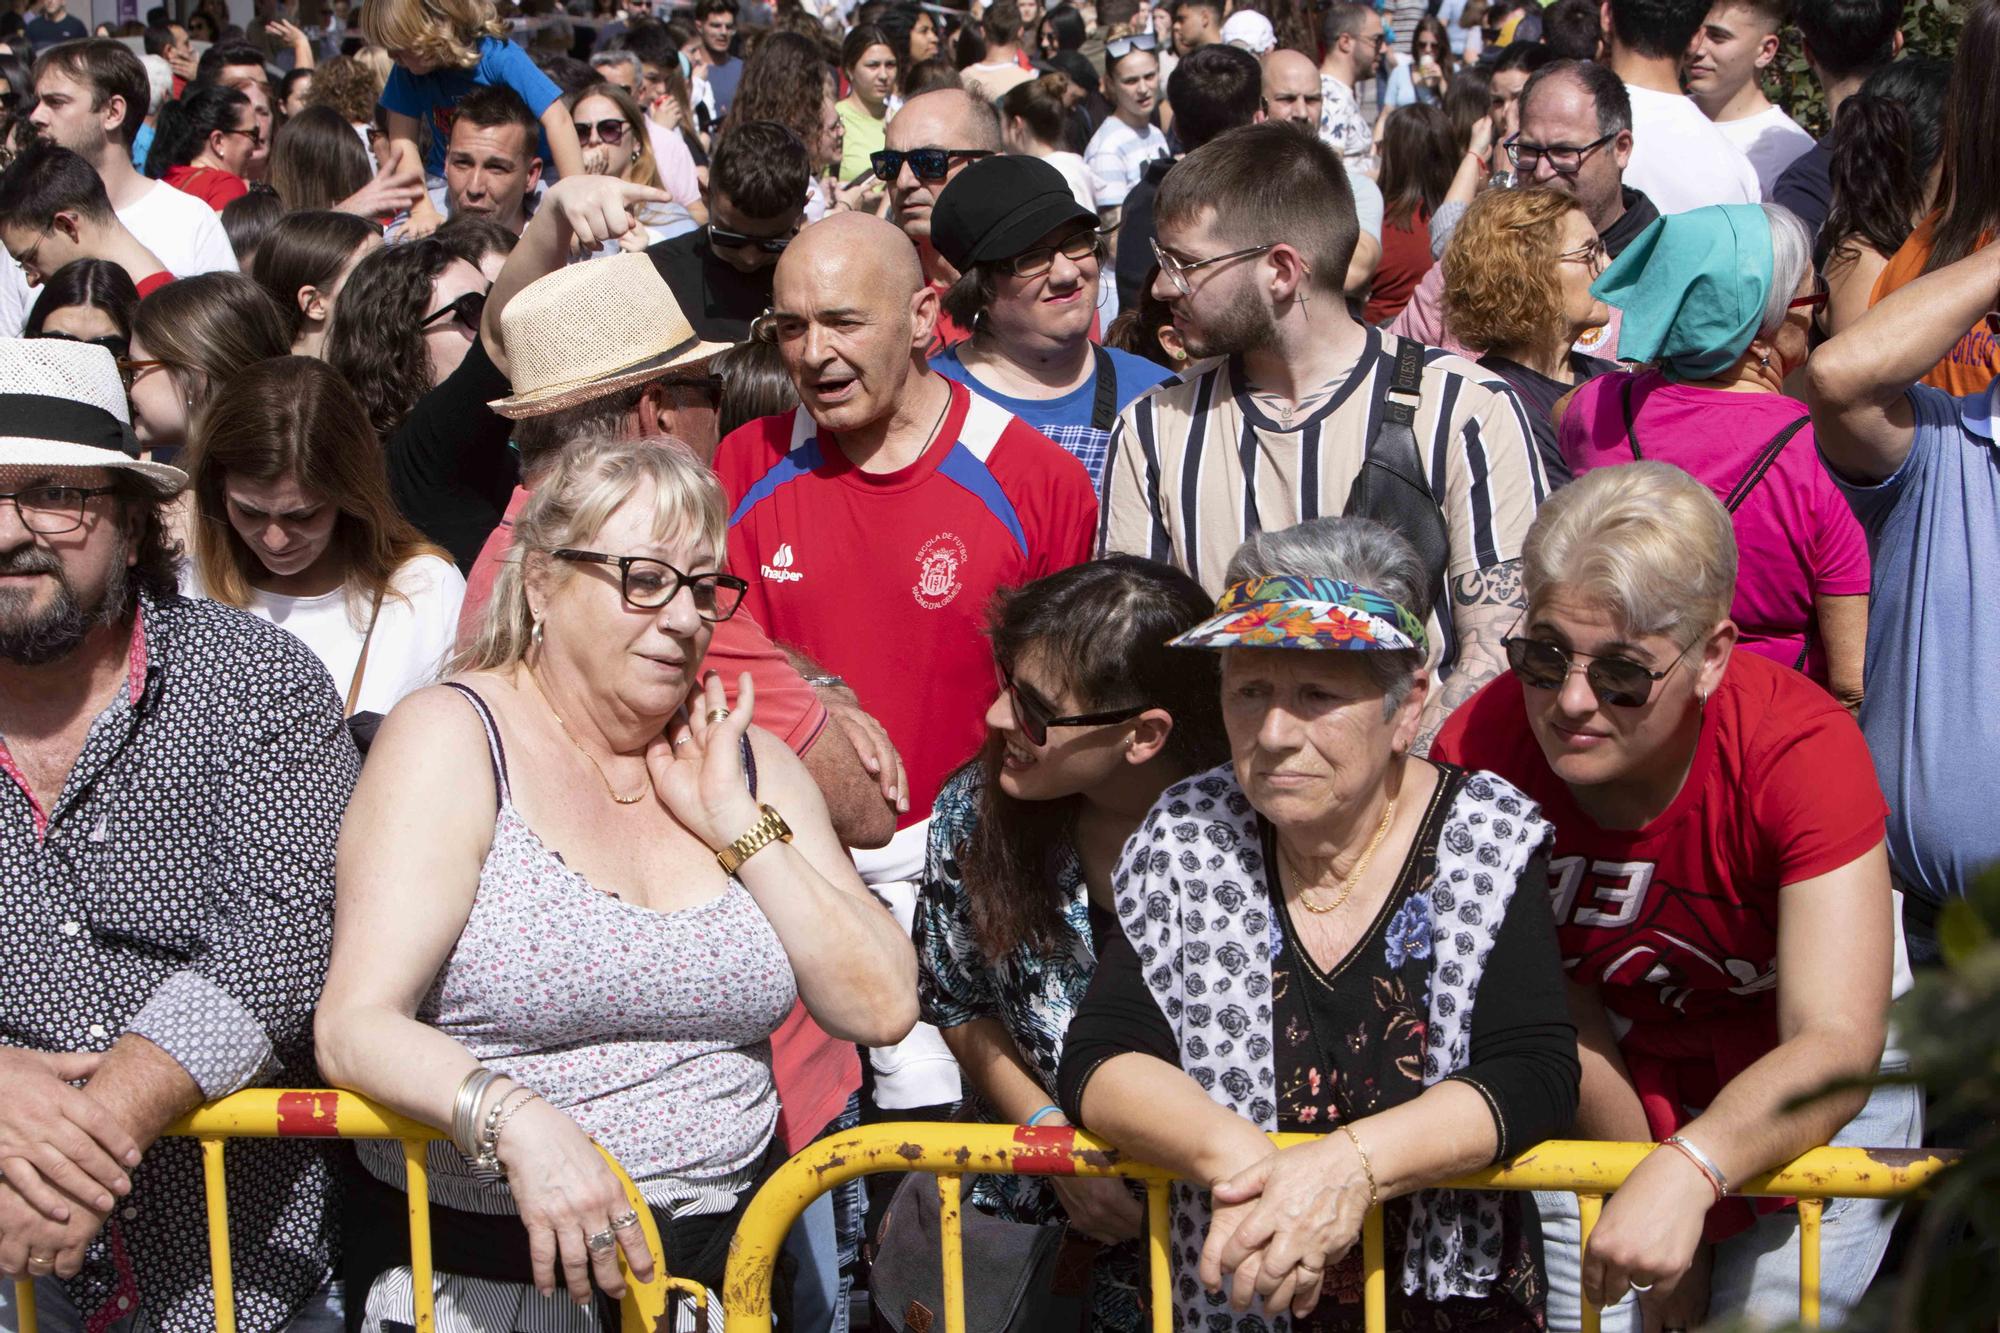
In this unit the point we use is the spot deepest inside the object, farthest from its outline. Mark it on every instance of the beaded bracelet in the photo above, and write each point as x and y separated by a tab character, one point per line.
486	1164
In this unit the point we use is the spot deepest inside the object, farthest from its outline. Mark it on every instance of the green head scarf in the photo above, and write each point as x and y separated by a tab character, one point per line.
1692	288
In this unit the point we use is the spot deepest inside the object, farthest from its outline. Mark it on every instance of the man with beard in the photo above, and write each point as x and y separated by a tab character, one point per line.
172	776
1255	230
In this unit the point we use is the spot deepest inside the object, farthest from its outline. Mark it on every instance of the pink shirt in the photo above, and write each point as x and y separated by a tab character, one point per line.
1795	536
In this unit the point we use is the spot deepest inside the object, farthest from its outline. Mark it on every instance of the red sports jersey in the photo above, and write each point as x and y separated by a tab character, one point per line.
886	578
1676	924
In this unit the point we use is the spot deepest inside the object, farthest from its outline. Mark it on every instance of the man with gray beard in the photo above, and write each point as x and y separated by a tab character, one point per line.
172	776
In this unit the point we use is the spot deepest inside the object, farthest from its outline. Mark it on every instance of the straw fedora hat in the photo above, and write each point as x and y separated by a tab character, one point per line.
62	405
590	329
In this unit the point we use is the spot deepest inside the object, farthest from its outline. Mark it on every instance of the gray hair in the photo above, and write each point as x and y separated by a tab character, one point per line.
1791	260
1362	552
629	59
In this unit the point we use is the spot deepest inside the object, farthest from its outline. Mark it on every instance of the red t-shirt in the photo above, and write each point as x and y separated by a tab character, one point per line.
212	185
1676	924
886	578
152	283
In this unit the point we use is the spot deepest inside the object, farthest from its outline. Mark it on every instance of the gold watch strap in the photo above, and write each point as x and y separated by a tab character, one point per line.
771	828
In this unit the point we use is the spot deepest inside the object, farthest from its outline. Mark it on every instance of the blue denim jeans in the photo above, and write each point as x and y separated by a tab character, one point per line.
1756	1274
56	1313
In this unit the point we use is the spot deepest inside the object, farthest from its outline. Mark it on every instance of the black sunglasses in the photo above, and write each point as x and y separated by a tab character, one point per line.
649	584
1618	682
608	131
926	164
1035	720
115	343
736	240
465	311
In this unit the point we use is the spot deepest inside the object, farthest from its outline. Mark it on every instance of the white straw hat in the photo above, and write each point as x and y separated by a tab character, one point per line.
63	405
590	329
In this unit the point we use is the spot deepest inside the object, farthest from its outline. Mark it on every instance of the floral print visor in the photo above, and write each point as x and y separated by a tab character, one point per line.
1289	611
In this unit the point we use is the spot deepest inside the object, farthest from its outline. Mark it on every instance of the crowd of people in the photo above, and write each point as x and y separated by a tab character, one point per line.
685	580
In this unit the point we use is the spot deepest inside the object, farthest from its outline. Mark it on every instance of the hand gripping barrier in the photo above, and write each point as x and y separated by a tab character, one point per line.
951	1152
278	1113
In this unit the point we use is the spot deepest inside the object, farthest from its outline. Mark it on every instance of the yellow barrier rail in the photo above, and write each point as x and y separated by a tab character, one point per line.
266	1113
1588	1170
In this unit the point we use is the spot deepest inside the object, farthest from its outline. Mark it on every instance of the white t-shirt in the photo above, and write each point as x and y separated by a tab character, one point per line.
413	635
1077	175
1117	156
183	233
1771	140
16	300
994	81
1681	159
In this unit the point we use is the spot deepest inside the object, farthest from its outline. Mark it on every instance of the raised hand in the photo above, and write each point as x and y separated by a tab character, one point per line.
697	767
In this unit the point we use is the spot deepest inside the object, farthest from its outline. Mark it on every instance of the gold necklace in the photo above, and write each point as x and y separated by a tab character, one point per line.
1360	867
609	790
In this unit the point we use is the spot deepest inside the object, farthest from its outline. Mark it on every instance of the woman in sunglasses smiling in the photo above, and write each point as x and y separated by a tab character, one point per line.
1095	717
1722	902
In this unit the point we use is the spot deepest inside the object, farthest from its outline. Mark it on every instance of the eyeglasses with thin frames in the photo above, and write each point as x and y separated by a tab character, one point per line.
1618	682
1177	269
1591	255
51	511
649	584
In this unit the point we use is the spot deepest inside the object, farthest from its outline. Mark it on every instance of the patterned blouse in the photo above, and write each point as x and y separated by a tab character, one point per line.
1032	995
181	888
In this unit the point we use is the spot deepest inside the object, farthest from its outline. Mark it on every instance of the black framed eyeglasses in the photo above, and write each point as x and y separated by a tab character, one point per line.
649	584
1077	248
610	132
1563	159
1618	682
50	511
926	164
736	240
1177	269
1119	47
463	310
115	343
1035	720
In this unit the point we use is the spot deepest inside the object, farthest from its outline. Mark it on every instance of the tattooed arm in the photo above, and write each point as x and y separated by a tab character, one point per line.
1484	603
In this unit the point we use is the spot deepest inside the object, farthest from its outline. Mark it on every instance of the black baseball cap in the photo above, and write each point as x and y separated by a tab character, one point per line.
1000	206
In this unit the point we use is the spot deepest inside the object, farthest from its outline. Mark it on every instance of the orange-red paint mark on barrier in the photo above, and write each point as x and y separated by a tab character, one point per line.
314	1115
1045	1150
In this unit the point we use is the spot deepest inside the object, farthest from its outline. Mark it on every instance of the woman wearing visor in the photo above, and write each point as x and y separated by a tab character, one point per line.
1722	900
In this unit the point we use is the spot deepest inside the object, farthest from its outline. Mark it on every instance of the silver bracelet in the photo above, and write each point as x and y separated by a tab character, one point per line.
826	682
1702	1160
465	1108
486	1163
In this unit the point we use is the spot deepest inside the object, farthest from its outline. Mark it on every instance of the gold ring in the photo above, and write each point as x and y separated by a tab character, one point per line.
36	1261
716	715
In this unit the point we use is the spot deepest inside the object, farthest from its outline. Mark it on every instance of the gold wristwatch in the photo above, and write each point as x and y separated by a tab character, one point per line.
771	828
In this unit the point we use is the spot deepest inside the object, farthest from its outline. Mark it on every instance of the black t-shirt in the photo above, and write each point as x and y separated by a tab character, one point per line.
720	301
45	32
1640	213
1806	187
1135	234
1539	394
451	471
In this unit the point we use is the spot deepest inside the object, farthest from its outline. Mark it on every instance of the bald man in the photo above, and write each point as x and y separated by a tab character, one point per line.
875	524
1292	92
964	129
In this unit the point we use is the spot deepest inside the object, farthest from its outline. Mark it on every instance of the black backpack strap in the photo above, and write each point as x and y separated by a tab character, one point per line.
1104	410
1393	486
1762	464
1631	431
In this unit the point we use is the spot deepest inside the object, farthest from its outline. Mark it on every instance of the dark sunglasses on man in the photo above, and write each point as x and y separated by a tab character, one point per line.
1618	682
736	240
1035	720
463	311
926	164
115	343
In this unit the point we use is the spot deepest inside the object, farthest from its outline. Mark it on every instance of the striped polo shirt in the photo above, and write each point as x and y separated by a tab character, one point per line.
1196	467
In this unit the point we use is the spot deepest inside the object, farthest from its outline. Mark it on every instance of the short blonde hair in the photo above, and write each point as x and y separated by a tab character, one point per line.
588	481
1646	541
446	32
1501	287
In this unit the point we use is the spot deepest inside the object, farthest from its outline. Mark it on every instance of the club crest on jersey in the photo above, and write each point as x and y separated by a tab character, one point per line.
938	563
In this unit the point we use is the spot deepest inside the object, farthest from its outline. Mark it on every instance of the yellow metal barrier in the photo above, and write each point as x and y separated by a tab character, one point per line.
1588	1170
264	1113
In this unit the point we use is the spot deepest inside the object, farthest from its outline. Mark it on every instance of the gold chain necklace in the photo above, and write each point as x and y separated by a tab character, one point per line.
609	790
1360	867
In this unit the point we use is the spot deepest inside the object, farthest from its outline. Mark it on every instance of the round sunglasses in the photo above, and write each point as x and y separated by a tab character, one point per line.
1618	682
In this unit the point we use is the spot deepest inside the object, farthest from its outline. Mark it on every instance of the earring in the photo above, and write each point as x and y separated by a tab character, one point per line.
535	634
1701	700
